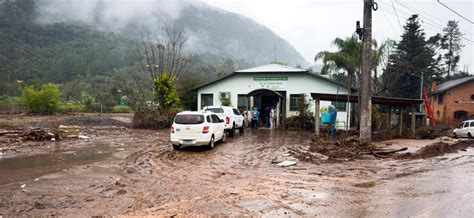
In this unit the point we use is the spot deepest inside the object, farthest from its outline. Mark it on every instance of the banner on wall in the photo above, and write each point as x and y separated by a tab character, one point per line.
271	82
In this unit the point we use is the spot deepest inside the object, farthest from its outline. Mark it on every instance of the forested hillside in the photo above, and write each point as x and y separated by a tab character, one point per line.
98	53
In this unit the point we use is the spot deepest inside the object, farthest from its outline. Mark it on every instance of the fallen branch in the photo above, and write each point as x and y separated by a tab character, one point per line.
10	132
381	154
391	151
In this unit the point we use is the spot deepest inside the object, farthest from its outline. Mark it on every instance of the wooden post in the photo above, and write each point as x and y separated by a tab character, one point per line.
400	121
389	121
317	122
413	119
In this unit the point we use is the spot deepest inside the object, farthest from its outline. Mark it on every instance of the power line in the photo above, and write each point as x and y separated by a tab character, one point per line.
433	26
398	19
386	18
415	10
455	12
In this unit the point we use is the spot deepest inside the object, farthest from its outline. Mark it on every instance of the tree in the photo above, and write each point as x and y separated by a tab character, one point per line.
346	58
166	90
44	99
412	58
166	59
379	60
451	42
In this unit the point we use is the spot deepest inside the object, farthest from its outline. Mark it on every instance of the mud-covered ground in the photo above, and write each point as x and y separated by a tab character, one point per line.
135	172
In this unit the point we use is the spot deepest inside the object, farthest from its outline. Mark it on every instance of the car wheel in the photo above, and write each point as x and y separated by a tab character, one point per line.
232	131
469	135
211	143
176	147
224	137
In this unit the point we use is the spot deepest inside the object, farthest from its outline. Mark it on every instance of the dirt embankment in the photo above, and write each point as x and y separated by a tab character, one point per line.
346	148
84	121
438	149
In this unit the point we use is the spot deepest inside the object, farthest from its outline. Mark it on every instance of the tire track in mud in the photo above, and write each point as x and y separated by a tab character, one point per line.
233	173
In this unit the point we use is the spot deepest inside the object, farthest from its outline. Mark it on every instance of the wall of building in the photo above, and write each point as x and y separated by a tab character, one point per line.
444	112
297	83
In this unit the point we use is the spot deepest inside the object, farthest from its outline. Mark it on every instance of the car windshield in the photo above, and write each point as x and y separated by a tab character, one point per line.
216	110
189	119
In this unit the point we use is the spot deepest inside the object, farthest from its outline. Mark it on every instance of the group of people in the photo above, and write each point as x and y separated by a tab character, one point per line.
268	114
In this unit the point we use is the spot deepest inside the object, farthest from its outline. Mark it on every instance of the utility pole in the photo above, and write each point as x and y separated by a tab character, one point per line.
421	92
365	95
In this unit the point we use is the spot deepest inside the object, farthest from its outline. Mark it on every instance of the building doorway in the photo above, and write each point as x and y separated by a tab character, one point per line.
265	100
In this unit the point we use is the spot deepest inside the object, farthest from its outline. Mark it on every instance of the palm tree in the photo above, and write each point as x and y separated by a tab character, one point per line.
380	56
348	58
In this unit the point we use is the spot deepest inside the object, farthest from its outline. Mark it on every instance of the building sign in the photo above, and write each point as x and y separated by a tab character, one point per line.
271	82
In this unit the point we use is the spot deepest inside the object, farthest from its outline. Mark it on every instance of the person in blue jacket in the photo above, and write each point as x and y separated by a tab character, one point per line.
255	115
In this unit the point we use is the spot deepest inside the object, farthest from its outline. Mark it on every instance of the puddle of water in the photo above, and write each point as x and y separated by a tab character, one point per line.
369	184
29	167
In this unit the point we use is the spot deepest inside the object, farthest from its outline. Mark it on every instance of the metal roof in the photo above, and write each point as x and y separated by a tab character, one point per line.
451	84
273	68
270	69
401	102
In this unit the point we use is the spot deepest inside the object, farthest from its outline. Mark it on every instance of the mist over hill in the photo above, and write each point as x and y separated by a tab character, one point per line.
211	31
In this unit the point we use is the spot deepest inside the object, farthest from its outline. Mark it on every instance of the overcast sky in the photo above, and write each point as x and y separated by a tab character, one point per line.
311	25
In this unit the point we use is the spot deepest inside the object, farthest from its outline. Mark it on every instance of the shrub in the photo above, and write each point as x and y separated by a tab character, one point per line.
88	101
44	99
304	120
70	106
121	109
152	118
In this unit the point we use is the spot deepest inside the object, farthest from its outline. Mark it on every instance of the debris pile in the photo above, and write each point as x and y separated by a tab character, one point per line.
43	134
33	134
69	131
430	133
437	149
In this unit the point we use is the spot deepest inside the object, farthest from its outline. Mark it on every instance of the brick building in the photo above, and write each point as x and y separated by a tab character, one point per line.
453	101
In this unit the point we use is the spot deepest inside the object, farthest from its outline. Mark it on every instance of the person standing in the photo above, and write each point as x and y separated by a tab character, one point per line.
267	117
255	115
272	117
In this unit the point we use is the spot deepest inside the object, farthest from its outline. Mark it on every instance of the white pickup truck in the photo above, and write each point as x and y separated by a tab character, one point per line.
233	119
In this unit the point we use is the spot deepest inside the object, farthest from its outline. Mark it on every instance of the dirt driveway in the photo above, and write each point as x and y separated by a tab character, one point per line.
136	172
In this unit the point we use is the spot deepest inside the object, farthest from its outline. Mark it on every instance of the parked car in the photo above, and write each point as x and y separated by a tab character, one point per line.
465	129
233	118
197	129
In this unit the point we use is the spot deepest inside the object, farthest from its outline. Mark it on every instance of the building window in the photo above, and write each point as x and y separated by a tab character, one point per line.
294	102
242	102
472	97
340	106
440	98
460	115
206	100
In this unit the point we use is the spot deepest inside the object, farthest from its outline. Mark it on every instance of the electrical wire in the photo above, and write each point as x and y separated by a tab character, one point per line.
435	27
426	18
398	18
465	18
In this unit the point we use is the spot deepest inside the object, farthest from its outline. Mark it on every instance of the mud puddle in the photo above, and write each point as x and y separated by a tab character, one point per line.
29	167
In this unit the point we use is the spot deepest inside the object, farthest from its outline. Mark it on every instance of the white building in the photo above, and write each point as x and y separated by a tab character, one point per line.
271	85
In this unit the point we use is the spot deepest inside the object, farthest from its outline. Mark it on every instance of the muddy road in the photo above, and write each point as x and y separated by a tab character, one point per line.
136	172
